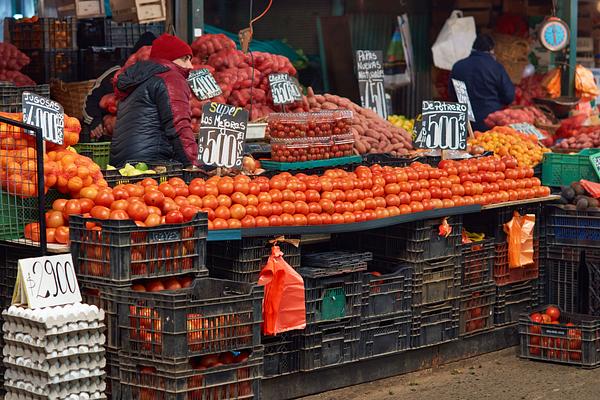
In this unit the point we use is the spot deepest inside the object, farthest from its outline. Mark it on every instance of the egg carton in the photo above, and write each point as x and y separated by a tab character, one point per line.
67	355
51	345
93	387
10	395
50	371
82	378
58	316
42	333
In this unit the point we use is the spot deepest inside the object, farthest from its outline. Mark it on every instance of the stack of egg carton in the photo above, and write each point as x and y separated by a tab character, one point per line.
54	353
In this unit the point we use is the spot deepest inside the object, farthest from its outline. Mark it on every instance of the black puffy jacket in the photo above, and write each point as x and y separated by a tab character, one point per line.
153	117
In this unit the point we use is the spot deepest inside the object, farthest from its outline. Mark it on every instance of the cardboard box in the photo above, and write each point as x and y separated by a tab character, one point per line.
80	8
141	11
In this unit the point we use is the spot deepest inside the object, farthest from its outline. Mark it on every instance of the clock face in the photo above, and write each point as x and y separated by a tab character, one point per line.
554	35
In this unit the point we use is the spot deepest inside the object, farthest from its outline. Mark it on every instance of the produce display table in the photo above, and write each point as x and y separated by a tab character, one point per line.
336	377
552	197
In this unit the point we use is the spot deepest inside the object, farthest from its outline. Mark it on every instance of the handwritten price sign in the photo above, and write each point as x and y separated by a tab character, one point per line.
46	282
444	126
46	114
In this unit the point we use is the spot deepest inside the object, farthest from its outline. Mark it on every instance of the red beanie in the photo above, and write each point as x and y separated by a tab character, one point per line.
169	47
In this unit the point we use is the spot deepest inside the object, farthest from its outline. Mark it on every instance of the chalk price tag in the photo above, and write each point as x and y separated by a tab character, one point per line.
443	126
203	84
46	282
463	96
222	135
46	114
284	89
528	129
369	67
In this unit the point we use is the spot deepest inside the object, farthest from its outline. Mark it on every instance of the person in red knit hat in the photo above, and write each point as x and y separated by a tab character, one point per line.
154	122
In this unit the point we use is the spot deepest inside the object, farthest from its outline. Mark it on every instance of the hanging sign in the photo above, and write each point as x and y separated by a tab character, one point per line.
529	129
463	96
46	114
46	282
443	126
369	67
284	89
203	84
222	135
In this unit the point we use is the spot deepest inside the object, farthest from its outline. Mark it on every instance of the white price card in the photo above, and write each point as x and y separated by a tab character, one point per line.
46	282
46	114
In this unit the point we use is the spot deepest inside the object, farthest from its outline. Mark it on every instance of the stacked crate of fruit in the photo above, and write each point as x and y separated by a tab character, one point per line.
163	313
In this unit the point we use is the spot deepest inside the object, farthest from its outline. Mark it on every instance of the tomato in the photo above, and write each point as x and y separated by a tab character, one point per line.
261	221
287	207
210	201
50	235
118	215
197	187
223	212
54	219
248	222
61	235
32	231
234	224
220	223
392	200
265	197
72	207
189	212
392	188
276	195
416	206
167	190
275	220
155	286
325	218
59	204
265	209
152	220
225	186
237	211
287	219
137	211
154	198
546	319
239	198
174	217
553	312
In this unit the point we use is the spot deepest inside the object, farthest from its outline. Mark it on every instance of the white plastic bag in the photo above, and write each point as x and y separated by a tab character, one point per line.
454	41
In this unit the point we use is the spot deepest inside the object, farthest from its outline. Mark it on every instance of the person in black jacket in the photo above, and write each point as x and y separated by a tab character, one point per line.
488	85
154	121
92	113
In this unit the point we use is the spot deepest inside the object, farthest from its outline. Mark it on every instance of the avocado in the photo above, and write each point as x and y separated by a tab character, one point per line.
562	200
568	193
593	203
579	190
582	204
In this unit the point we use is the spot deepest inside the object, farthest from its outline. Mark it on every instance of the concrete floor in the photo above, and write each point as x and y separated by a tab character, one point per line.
499	376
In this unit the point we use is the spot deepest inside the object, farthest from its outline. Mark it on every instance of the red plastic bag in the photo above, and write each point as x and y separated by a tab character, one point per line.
520	240
284	308
592	188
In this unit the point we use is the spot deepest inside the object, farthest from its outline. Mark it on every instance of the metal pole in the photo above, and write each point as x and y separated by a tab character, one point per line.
572	46
39	144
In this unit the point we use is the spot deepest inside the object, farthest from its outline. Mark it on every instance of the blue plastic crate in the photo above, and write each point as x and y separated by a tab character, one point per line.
567	227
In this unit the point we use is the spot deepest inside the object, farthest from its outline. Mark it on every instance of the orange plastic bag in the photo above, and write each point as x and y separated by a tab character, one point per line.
520	240
592	188
585	84
551	82
284	308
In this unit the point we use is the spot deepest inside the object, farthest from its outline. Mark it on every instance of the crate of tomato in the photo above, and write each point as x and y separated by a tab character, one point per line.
119	251
211	316
547	334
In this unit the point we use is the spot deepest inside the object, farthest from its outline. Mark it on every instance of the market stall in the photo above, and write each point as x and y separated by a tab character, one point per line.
397	244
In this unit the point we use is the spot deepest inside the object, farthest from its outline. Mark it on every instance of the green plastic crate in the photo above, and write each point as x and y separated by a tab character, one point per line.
333	305
98	152
16	212
563	169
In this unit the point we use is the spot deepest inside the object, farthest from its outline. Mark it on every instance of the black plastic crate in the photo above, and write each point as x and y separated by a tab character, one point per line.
477	310
113	375
164	172
242	260
579	228
95	61
504	275
187	380
387	160
415	241
332	295
385	335
562	267
477	261
574	340
592	263
11	96
102	296
121	251
505	214
281	354
335	259
42	33
104	32
47	65
10	254
512	301
436	280
435	323
212	316
388	288
329	343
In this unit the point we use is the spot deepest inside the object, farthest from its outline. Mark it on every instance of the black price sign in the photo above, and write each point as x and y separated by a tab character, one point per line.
203	84
444	126
369	67
222	135
284	89
46	114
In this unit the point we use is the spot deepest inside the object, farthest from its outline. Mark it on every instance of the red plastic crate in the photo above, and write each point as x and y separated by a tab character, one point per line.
503	275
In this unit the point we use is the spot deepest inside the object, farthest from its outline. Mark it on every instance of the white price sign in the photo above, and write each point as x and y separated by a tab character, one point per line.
463	96
46	282
46	114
